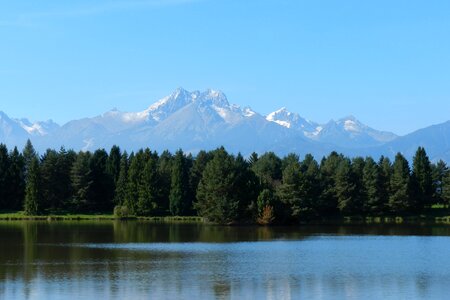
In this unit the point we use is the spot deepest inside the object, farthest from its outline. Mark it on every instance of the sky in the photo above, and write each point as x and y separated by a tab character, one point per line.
385	62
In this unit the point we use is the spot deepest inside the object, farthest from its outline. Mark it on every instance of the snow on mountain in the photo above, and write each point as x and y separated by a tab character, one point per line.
206	120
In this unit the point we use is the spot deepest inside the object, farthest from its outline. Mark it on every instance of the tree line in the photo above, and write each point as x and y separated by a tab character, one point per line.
217	185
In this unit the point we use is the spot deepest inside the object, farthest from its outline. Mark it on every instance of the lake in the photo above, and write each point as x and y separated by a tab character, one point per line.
145	260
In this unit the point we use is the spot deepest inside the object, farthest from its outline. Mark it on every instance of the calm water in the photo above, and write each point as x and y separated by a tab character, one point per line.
138	260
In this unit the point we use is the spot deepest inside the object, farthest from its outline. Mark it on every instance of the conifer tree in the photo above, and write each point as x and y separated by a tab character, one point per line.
179	187
290	193
4	176
439	170
122	181
400	200
28	154
217	199
422	175
346	188
16	180
113	163
33	194
81	179
446	189
372	187
149	187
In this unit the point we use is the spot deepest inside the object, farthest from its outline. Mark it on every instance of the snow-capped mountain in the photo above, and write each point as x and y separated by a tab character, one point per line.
347	132
205	120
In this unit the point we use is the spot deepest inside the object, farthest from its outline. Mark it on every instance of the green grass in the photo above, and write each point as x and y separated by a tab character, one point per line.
20	215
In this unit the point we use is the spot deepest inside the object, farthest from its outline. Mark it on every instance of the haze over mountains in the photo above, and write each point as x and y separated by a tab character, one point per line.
205	120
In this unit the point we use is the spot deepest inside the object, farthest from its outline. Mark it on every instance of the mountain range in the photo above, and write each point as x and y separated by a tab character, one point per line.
196	121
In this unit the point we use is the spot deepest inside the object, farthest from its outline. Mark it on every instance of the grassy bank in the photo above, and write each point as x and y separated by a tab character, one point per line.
14	216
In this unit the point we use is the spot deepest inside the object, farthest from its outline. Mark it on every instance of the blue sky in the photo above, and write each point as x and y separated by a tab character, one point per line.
386	62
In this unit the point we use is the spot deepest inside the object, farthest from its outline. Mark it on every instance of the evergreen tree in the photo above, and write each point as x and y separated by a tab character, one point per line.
4	177
113	163
311	185
102	186
134	179
438	170
268	168
196	171
346	188
149	187
16	180
372	187
81	180
328	169
179	188
217	199
446	189
122	181
252	159
385	172
423	179
28	154
165	174
400	200
32	191
290	193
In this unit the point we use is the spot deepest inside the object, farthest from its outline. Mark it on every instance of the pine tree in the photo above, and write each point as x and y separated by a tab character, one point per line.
33	189
252	159
372	186
217	199
179	188
102	186
385	172
328	169
290	193
16	180
81	183
268	168
28	154
423	179
400	200
439	170
149	187
122	181
446	188
311	185
134	178
113	163
346	188
4	177
165	174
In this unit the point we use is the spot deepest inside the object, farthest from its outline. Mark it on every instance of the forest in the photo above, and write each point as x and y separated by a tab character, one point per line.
221	187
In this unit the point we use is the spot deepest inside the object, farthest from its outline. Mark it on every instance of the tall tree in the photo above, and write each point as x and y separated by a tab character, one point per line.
149	195
102	186
268	168
374	201
385	169
81	180
113	163
122	181
179	187
217	198
346	188
423	177
16	180
400	200
33	196
28	154
328	201
290	193
4	176
439	170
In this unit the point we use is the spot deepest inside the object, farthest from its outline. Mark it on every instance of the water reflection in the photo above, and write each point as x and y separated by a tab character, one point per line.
140	260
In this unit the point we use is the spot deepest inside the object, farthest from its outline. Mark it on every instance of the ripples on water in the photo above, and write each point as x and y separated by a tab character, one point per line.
133	260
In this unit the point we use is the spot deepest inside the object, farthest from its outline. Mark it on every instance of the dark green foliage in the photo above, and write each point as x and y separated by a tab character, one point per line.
225	188
422	175
113	163
346	188
81	178
33	196
290	192
102	185
372	188
445	194
179	199
4	176
122	181
217	194
268	170
400	200
16	192
439	171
